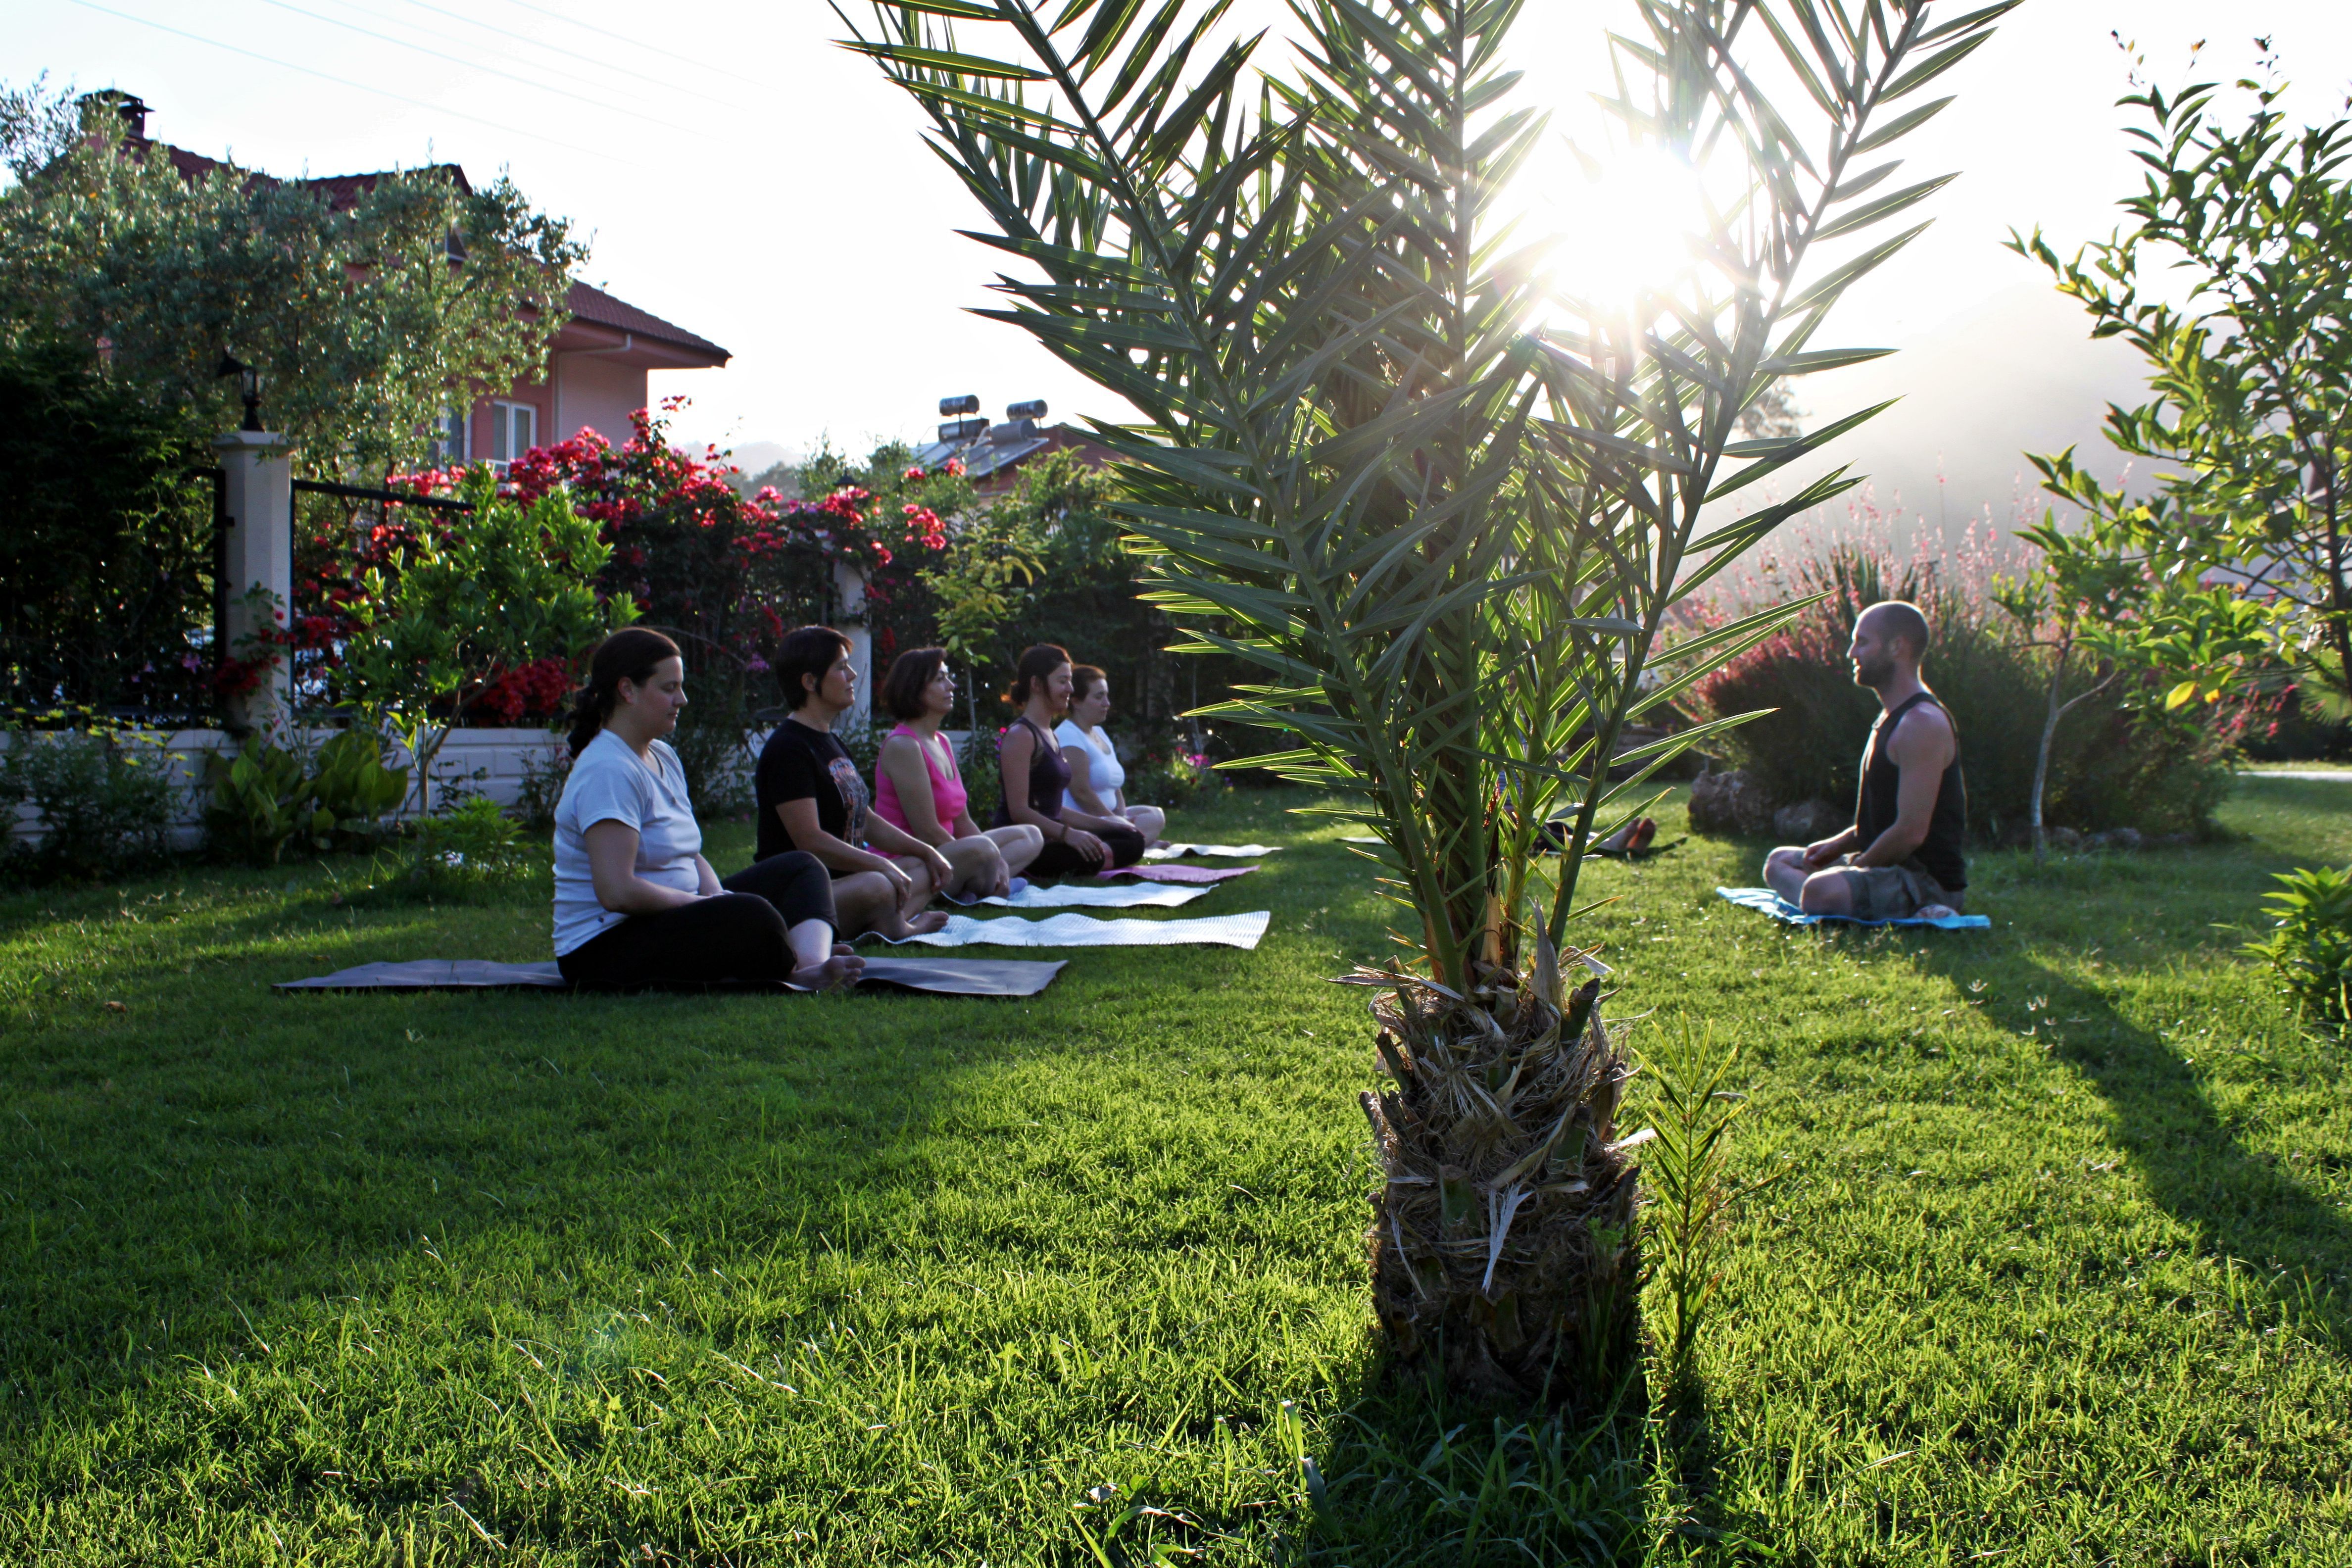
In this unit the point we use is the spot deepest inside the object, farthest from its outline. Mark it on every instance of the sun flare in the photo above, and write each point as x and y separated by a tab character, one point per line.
1624	225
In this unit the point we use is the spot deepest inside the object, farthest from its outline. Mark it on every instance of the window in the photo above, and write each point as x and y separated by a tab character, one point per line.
448	450
514	430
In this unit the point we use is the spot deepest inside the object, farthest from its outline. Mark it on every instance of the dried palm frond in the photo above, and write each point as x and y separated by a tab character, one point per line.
1501	1238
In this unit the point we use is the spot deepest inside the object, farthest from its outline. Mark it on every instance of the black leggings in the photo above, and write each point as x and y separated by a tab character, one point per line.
735	935
1058	859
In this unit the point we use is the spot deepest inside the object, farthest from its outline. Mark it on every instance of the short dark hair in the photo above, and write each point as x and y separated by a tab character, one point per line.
1904	620
1084	678
911	674
805	650
1038	662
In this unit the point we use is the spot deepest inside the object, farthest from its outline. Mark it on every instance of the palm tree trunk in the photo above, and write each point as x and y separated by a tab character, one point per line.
1502	1240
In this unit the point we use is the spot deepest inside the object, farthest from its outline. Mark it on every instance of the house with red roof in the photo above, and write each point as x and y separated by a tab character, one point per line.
596	366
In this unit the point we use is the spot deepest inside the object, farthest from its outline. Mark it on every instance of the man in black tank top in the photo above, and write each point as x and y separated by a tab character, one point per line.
1902	855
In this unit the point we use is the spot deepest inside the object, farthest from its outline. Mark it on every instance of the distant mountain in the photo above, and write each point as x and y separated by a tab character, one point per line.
756	457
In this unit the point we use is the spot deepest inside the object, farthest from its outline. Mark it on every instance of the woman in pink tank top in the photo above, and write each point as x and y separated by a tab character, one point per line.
916	787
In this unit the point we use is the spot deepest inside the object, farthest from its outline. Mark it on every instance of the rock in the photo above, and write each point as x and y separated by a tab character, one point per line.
1807	821
2064	837
2116	838
1729	803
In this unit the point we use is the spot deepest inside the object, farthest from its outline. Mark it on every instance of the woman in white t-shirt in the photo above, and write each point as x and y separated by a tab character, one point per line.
1098	778
635	903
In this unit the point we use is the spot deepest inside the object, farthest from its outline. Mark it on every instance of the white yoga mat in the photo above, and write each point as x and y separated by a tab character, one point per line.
1089	895
1178	851
1085	931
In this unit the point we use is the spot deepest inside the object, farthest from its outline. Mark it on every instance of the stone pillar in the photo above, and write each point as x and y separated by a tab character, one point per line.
849	593
260	556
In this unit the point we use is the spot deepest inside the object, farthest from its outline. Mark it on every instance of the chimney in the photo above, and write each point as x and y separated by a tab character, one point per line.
129	106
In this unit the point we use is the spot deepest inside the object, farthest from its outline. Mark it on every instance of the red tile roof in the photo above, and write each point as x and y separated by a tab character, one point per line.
594	305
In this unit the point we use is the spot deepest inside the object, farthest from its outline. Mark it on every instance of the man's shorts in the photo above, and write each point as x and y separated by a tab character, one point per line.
1893	892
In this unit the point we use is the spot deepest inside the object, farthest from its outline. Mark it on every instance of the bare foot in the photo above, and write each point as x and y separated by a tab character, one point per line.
842	969
900	928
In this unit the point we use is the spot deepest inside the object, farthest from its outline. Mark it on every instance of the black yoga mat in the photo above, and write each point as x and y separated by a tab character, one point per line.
945	976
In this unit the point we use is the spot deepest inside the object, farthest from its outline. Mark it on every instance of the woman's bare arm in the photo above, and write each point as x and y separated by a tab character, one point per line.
902	760
613	870
799	817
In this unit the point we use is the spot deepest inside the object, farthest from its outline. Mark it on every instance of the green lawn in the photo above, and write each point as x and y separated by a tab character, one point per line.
2061	1272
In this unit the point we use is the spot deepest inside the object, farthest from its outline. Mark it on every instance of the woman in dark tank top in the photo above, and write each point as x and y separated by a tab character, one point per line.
1076	842
1940	854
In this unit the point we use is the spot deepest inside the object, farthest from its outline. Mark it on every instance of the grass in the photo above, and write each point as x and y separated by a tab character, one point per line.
2060	1270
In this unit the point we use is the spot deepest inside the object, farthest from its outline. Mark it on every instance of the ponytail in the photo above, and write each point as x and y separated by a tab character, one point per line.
632	653
1036	666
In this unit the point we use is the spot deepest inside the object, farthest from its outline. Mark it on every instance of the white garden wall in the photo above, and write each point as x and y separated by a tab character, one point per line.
494	763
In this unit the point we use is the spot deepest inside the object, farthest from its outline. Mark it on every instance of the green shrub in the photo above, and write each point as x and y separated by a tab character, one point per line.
353	787
981	771
263	797
2310	944
2118	760
106	802
257	800
472	843
542	790
1170	773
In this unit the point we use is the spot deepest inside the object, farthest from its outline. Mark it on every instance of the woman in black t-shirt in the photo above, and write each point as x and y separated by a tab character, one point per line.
811	798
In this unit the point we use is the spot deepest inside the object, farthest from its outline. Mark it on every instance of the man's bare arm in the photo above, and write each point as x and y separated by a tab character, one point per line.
1921	749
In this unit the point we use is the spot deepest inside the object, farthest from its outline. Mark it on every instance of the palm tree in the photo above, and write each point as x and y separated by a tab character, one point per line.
1450	536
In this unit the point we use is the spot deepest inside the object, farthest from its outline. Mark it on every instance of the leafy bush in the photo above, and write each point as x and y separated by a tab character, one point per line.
2310	944
2119	760
983	774
353	787
444	610
104	806
263	797
1170	773
258	800
542	790
106	561
473	845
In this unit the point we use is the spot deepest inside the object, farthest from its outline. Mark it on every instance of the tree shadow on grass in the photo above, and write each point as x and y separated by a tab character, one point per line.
2237	1201
1407	1475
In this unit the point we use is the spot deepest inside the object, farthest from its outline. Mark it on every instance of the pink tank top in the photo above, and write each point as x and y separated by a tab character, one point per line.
948	797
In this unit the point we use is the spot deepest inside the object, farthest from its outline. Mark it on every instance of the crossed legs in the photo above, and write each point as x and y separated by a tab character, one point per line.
1825	892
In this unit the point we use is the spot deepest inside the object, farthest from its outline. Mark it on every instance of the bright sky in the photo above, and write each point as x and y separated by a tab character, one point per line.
742	178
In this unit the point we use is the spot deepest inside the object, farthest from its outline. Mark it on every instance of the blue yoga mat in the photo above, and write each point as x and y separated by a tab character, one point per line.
1765	901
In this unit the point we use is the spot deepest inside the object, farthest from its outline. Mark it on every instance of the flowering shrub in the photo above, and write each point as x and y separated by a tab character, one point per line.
724	572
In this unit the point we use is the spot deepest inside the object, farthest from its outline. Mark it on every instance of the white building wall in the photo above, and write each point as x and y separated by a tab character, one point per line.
598	392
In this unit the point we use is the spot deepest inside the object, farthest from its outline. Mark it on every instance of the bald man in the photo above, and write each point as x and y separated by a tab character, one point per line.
1902	855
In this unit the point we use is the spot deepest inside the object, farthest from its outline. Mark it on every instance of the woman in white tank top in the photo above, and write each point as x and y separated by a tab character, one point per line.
1097	779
